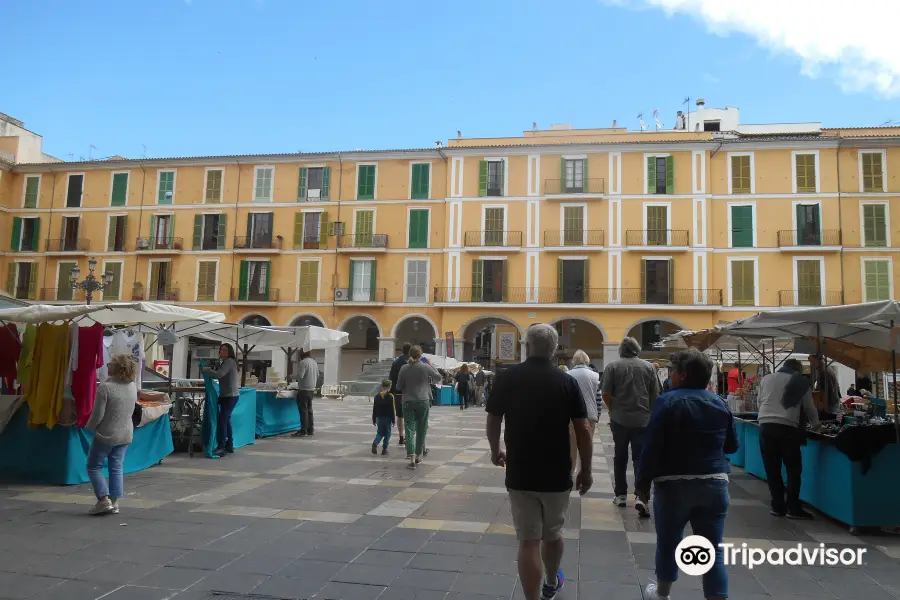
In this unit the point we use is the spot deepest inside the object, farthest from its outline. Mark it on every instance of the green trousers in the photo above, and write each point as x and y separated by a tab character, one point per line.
415	418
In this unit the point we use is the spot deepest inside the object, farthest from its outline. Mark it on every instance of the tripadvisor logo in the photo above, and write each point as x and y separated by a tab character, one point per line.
696	555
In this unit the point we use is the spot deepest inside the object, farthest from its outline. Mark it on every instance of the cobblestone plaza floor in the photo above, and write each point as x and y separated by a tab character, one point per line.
324	518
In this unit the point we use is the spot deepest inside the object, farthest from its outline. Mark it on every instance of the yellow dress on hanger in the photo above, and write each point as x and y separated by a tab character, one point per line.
44	393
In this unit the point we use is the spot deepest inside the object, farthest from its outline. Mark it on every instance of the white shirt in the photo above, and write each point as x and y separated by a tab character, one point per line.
588	382
130	345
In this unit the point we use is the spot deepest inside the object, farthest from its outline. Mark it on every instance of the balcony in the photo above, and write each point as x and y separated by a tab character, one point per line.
164	295
311	242
159	245
246	296
562	187
257	245
810	297
360	295
826	240
64	294
669	240
574	240
68	246
577	295
363	242
493	240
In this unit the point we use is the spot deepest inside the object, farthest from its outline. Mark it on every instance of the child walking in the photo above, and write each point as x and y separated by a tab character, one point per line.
383	416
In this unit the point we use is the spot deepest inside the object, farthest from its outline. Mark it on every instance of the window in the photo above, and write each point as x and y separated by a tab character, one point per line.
118	230
711	125
159	280
741	175
418	228
809	232
310	230
872	171
22	281
877	275
214	185
114	288
489	280
207	277
574	175
365	227
308	279
657	225
362	280
660	174
314	183
743	282
118	195
572	281
742	226
165	193
494	225
809	283
32	190
874	225
70	227
74	191
421	181
491	177
365	184
259	230
209	232
262	188
254	282
805	165
161	229
64	291
26	233
416	280
658	281
573	225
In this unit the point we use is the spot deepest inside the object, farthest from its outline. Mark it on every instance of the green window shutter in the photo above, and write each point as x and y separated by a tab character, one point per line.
587	281
875	225
477	279
111	236
809	283
242	283
323	230
119	189
198	232
559	279
154	280
878	283
670	174
483	177
584	175
11	280
741	227
166	190
365	188
877	173
111	292
742	283
364	219
651	174
563	182
16	232
31	191
418	228
36	234
64	292
152	232
505	275
671	281
298	231
301	189
220	233
657	226
420	178
502	177
372	280
32	281
352	270
268	279
170	232
643	281
326	183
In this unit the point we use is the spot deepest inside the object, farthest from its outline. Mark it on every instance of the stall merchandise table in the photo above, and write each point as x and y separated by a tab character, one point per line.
737	459
276	414
835	485
243	419
445	395
58	456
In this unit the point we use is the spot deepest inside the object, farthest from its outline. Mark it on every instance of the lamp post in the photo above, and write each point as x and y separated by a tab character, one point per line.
90	284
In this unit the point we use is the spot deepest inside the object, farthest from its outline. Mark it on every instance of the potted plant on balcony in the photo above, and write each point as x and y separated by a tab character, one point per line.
137	292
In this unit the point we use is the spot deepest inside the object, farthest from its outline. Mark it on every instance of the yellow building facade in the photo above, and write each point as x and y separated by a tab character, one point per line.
604	232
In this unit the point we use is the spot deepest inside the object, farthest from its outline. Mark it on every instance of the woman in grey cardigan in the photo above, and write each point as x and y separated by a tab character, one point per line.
113	431
228	399
414	382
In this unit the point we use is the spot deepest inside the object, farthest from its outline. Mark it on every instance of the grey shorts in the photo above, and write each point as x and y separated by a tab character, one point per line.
538	515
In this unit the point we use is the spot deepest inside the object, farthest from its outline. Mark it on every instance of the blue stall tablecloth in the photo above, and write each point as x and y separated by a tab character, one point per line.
737	459
275	415
243	419
445	395
58	456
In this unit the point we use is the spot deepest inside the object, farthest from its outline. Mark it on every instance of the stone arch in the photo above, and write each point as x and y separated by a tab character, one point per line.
363	316
464	327
255	319
297	320
638	331
426	318
648	319
585	319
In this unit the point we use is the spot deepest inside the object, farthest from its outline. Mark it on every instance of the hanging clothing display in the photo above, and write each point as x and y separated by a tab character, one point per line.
131	344
90	357
103	371
50	360
73	352
10	348
26	356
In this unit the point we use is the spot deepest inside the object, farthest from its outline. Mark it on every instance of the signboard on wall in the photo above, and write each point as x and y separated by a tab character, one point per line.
449	343
161	367
507	346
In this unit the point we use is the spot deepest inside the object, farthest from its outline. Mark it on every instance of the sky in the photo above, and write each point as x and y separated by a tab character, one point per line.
217	77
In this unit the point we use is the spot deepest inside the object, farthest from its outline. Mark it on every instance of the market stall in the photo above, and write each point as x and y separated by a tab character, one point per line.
54	365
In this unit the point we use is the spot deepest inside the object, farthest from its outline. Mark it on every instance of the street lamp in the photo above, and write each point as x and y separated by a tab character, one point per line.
90	284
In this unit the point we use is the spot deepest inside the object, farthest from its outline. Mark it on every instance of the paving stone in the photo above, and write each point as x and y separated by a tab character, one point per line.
483	583
171	578
367	574
384	557
425	580
349	591
75	590
21	585
130	592
117	572
289	587
260	563
439	562
316	569
208	560
230	581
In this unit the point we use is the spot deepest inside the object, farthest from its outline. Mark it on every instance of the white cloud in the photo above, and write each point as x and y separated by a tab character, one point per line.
856	43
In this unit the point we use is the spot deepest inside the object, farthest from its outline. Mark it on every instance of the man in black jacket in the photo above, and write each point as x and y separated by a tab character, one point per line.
394	375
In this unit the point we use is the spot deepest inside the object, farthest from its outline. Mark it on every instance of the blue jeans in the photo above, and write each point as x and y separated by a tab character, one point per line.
224	434
704	504
115	455
384	425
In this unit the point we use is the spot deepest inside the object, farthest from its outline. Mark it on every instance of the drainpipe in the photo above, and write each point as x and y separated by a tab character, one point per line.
140	222
236	204
840	220
49	229
334	275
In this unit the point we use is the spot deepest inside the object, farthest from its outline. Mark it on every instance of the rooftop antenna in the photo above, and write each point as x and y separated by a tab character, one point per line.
91	149
534	125
641	119
656	118
144	146
71	157
687	101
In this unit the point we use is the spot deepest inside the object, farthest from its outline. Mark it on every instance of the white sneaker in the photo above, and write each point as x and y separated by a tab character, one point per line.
619	500
650	593
412	463
115	506
642	509
102	507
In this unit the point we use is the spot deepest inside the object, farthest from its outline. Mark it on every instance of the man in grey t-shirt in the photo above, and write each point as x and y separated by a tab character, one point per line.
629	388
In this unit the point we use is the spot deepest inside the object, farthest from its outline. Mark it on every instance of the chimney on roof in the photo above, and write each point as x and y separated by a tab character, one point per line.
458	134
614	123
701	102
534	125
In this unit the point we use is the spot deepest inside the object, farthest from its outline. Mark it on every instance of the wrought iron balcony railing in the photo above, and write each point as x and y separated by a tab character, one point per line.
579	237
69	245
658	237
159	244
576	186
578	295
810	297
805	237
164	295
257	243
367	294
373	241
499	239
254	296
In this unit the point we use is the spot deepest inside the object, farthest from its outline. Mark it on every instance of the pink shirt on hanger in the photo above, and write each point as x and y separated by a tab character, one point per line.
84	378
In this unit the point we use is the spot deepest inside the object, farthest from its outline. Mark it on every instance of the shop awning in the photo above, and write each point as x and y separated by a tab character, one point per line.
307	337
120	313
